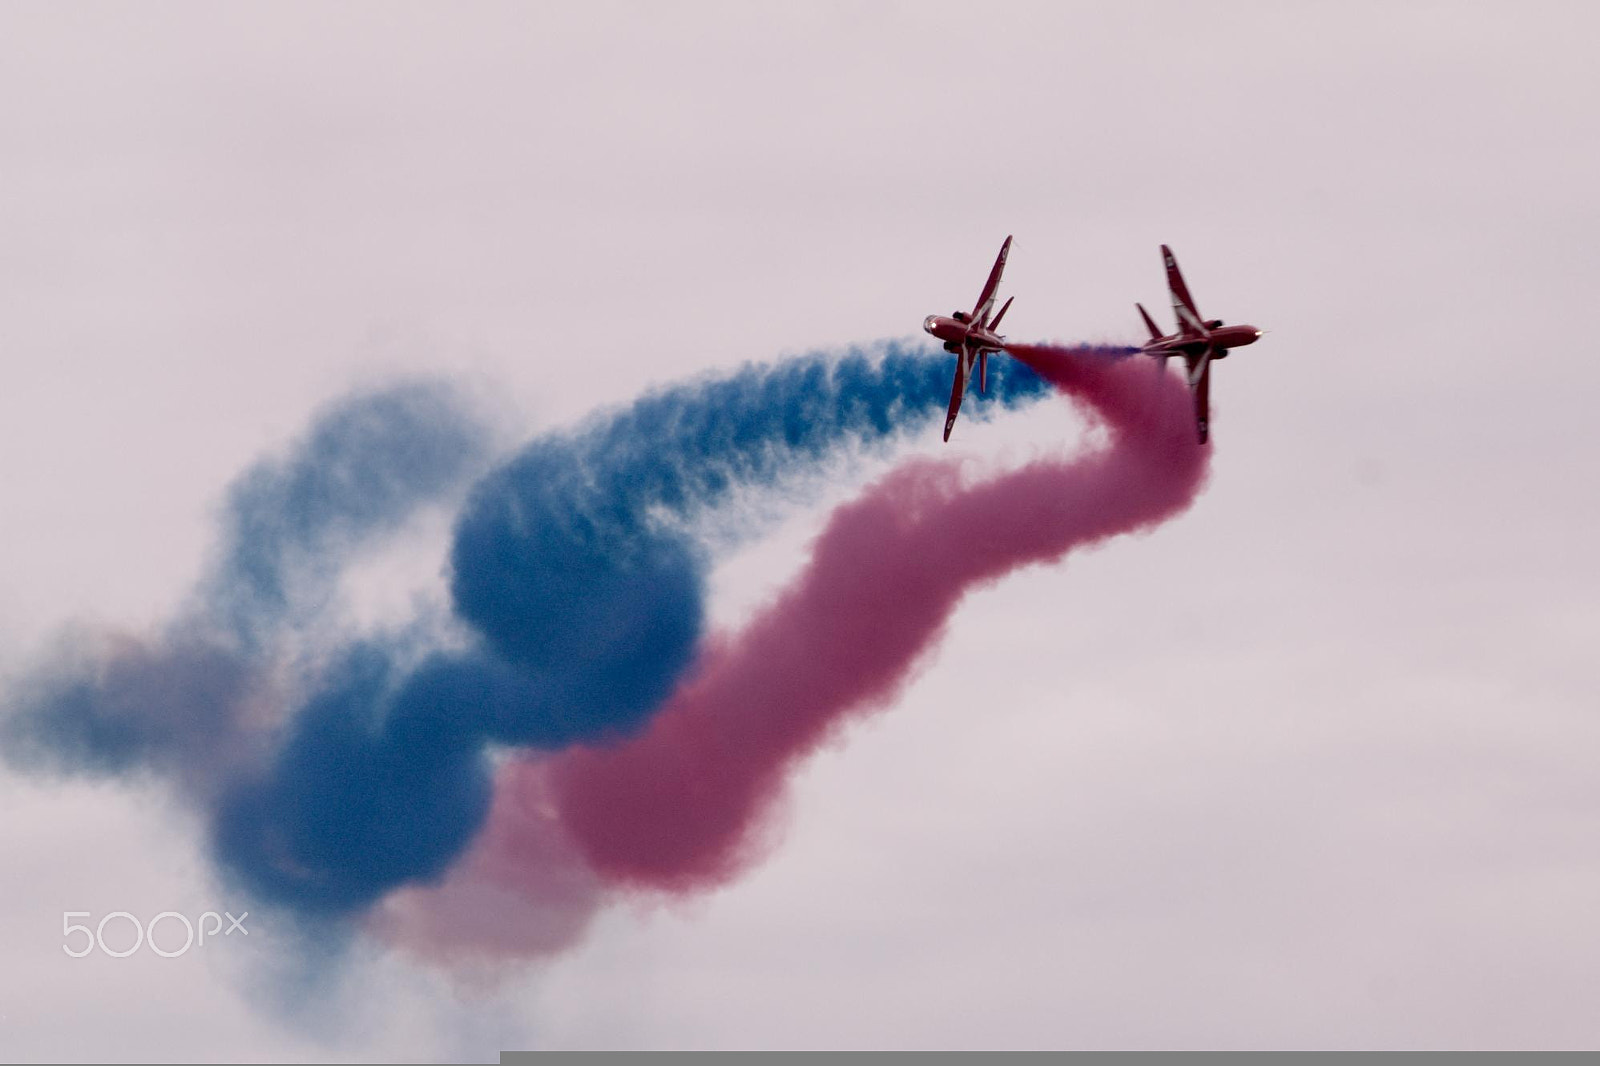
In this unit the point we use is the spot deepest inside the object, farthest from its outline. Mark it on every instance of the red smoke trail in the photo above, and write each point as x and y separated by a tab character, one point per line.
682	806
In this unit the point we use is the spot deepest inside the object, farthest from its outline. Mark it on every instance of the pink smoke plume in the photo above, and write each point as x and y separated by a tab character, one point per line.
522	891
683	806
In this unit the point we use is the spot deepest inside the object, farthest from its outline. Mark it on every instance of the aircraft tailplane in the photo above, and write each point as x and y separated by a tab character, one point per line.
1003	309
1149	323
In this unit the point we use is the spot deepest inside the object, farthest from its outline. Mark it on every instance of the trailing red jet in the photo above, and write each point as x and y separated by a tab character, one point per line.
1197	342
971	338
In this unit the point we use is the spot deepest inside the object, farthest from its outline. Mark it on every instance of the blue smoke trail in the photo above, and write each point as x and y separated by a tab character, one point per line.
586	601
366	466
368	462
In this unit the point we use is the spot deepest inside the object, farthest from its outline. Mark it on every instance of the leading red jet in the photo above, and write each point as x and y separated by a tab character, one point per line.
1198	342
971	337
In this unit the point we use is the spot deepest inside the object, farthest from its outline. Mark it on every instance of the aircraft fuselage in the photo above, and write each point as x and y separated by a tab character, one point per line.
1219	340
954	333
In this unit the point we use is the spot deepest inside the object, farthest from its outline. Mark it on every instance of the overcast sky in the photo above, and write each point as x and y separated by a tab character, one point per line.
1315	765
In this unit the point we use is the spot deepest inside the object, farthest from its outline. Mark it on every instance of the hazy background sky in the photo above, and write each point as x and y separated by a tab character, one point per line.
1315	765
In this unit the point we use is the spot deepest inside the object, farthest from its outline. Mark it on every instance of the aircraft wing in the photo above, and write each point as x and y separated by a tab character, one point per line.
980	310
1200	389
1189	322
958	388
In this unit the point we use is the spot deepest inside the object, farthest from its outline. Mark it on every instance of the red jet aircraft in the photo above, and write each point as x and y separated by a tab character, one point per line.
1197	342
971	337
